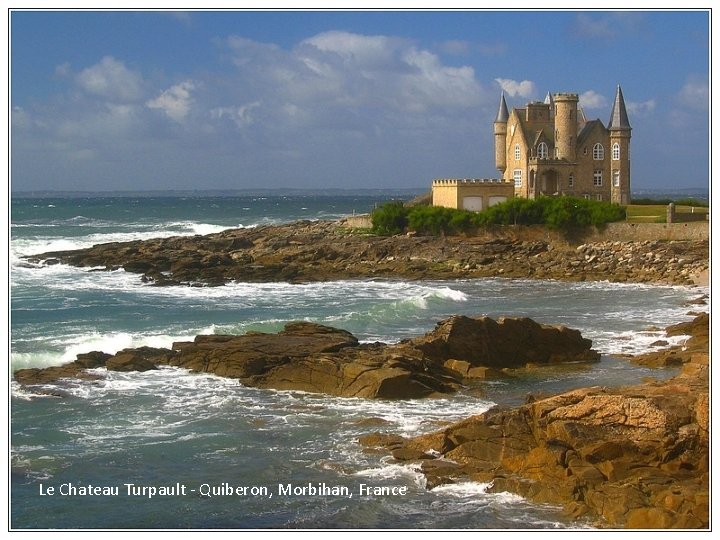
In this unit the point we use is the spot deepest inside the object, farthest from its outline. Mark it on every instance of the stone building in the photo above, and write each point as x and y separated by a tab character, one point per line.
550	148
470	194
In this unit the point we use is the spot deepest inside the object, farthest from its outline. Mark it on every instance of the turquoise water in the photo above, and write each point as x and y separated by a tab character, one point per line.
171	428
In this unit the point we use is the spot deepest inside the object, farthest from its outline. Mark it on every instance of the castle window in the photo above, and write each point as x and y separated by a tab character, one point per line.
616	178
542	151
517	177
599	197
584	150
571	180
517	152
598	151
597	178
616	151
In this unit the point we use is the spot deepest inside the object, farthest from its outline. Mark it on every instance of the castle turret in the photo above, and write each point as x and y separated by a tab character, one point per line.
500	130
566	125
620	132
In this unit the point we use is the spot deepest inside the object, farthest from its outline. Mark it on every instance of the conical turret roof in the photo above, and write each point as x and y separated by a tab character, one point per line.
503	114
618	115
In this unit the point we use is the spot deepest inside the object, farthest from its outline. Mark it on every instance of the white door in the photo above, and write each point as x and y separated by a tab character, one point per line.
474	204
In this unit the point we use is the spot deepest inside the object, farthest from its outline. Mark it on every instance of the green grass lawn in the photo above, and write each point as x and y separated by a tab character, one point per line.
656	213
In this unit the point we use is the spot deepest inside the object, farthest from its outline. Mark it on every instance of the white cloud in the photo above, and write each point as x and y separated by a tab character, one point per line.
360	50
241	115
456	46
589	27
643	108
435	84
19	118
695	93
336	106
607	26
346	81
112	80
593	100
175	102
513	88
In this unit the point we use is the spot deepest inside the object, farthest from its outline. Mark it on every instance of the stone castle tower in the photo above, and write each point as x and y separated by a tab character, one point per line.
550	148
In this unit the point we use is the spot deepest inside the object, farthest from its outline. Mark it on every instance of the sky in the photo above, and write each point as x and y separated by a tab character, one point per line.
155	100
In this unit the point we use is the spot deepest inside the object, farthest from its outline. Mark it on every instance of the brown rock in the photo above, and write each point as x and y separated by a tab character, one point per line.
129	362
507	342
635	457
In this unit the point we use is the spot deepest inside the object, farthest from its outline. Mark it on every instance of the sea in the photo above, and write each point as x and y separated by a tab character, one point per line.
171	449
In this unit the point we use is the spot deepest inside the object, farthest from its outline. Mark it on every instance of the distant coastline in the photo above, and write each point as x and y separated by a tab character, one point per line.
402	193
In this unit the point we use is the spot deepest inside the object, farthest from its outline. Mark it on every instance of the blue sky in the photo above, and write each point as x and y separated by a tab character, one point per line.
345	99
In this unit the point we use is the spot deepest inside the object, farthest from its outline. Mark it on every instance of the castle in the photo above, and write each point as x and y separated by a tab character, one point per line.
550	148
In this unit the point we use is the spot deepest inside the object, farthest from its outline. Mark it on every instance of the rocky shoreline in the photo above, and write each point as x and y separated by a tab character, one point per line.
632	457
629	457
312	251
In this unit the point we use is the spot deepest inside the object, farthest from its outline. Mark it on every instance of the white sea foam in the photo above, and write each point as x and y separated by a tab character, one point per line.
395	471
67	347
44	244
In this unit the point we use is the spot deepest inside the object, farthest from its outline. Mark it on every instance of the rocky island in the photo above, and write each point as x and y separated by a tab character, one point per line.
316	358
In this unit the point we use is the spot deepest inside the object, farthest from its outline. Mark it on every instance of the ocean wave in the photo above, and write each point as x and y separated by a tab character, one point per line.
477	492
395	471
26	245
67	347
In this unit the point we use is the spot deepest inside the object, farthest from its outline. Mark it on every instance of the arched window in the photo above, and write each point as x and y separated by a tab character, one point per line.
598	151
542	151
517	152
616	151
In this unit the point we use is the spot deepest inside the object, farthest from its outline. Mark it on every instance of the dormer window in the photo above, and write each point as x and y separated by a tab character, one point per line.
517	152
598	152
542	151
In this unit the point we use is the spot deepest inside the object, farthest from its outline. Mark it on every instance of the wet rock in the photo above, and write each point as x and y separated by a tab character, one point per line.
505	343
635	457
316	358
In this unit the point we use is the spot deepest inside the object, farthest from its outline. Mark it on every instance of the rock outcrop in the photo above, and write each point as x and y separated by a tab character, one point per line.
635	457
316	358
320	251
505	343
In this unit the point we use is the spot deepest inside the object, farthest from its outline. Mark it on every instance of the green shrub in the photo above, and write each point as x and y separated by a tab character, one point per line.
645	201
516	211
555	212
390	218
563	213
691	202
